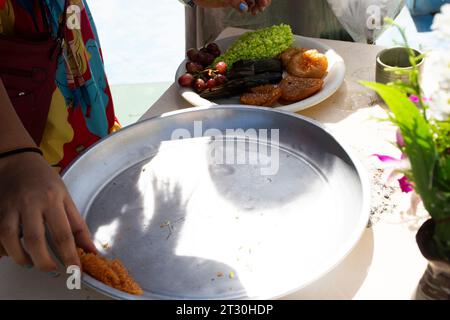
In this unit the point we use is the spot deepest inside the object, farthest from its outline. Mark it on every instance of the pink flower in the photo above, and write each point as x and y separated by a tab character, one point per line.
396	167
391	161
384	158
414	98
400	140
405	185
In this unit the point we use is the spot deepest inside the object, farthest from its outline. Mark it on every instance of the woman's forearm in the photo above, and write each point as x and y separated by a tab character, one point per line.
12	133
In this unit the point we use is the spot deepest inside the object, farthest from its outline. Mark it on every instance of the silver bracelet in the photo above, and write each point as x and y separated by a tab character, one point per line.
189	3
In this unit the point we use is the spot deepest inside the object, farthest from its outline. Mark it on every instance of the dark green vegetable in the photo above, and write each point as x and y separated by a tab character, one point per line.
237	86
246	68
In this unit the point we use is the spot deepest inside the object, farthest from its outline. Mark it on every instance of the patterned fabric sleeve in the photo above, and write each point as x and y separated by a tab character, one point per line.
81	111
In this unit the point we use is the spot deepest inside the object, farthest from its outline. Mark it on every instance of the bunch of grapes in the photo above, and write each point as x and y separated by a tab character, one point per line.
200	76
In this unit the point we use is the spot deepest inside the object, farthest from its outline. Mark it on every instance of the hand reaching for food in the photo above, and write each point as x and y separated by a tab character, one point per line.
32	198
258	6
243	6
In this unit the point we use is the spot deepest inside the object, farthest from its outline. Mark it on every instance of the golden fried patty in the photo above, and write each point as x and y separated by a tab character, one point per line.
295	89
266	95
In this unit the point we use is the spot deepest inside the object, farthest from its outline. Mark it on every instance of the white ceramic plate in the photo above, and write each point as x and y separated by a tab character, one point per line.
332	82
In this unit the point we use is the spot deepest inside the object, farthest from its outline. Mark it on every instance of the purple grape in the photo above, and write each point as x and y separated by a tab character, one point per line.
216	54
203	58
200	85
186	80
194	67
221	67
211	83
220	79
209	59
192	55
212	48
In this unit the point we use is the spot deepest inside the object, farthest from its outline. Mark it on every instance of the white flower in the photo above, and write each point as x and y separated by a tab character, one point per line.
440	105
441	22
436	78
436	84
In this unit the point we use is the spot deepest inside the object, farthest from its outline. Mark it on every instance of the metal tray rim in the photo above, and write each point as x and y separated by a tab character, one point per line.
345	249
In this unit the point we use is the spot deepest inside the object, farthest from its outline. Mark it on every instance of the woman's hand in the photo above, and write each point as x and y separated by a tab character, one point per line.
243	6
33	197
259	6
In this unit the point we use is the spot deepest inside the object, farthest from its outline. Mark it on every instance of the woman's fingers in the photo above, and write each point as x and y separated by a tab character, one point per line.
79	228
264	3
261	5
61	234
2	251
35	241
10	239
239	5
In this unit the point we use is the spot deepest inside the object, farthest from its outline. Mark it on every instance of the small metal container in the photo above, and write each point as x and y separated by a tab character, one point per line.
391	58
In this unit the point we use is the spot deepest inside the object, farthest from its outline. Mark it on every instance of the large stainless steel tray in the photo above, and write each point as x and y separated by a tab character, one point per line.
189	226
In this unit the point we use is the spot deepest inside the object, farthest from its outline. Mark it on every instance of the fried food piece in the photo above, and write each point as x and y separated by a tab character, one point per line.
287	55
266	96
259	99
295	89
267	88
308	64
110	272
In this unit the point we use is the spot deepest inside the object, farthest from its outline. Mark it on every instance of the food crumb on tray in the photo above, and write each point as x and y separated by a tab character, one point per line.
110	272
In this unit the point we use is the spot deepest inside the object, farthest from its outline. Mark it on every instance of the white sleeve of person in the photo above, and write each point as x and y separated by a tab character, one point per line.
189	3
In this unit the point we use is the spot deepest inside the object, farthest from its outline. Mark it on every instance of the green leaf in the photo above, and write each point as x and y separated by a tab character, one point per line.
419	142
405	88
442	176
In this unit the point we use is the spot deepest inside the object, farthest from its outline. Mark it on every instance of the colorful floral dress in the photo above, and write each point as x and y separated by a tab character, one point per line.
81	110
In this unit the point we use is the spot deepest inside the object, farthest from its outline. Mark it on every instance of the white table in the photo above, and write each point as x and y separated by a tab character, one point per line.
385	264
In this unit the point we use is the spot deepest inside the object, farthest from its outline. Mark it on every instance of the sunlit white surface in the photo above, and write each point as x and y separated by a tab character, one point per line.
105	236
249	241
